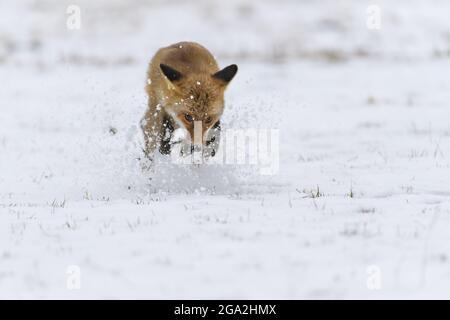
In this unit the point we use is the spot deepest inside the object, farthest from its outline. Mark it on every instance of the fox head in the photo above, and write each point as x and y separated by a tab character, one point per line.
196	101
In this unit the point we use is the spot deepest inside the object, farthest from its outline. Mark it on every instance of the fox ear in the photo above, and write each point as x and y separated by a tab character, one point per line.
226	74
170	73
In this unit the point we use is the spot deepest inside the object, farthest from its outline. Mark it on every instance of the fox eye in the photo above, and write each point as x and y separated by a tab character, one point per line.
188	117
208	120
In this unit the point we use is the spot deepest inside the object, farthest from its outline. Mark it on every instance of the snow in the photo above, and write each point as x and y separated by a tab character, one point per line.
364	135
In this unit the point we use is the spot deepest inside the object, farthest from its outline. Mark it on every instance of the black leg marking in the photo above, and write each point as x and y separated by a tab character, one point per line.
165	145
214	140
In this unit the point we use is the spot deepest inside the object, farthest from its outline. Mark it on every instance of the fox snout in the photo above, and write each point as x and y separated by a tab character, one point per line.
198	134
186	87
202	138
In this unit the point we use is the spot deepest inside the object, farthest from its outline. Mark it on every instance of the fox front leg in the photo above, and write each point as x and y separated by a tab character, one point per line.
152	126
166	136
213	140
149	139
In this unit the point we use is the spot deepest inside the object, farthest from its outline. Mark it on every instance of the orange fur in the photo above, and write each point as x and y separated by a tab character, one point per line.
197	93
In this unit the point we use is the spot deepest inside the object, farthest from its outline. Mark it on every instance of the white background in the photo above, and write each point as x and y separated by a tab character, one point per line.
364	125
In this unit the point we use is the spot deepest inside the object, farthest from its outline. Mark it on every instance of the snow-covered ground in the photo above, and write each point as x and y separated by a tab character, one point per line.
360	206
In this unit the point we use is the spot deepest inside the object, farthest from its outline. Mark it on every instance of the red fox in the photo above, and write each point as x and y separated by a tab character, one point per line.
184	86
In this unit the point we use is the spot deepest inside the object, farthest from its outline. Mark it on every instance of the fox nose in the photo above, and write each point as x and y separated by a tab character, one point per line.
196	148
